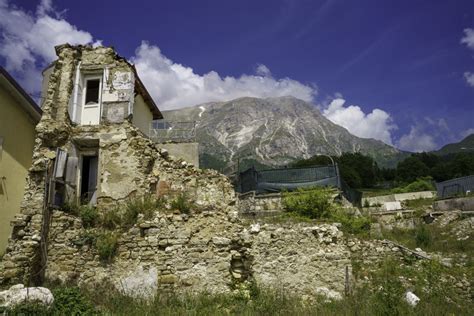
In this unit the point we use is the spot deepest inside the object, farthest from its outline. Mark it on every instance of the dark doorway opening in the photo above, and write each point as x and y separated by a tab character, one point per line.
89	179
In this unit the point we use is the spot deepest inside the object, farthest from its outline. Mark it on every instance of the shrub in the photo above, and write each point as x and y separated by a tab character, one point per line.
89	215
421	184
181	203
36	309
352	224
423	236
106	245
111	219
70	301
86	238
312	203
71	208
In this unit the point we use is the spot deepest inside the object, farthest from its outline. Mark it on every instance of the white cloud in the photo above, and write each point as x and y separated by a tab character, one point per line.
173	85
426	135
263	71
376	124
468	38
469	76
467	132
28	40
417	141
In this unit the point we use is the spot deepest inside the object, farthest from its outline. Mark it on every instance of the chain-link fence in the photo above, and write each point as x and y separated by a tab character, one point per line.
455	187
162	131
289	179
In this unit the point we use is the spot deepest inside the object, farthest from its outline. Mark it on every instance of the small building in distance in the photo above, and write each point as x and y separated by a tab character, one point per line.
19	115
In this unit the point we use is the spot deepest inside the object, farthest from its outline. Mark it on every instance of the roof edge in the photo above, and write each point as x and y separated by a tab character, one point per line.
29	104
141	89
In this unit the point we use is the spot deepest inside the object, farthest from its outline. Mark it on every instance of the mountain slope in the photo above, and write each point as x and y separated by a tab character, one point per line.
273	132
465	145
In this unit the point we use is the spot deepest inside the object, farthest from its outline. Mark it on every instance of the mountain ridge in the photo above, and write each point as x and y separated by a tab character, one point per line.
272	132
464	145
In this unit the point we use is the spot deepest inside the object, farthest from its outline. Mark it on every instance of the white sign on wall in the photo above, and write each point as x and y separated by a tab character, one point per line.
122	80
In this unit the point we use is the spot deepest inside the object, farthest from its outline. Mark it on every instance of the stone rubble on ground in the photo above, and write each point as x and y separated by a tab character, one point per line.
411	298
19	294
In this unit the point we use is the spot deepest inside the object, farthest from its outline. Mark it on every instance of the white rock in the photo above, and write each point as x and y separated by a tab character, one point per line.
255	228
139	283
18	294
411	298
329	294
221	241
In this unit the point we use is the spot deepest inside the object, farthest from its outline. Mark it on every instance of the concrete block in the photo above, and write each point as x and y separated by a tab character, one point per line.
392	206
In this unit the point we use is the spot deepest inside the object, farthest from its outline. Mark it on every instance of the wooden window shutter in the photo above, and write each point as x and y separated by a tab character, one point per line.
71	170
60	164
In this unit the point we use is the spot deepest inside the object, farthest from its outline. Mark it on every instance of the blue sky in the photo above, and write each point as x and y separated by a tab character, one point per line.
398	71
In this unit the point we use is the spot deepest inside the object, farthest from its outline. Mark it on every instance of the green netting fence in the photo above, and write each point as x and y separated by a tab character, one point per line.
289	179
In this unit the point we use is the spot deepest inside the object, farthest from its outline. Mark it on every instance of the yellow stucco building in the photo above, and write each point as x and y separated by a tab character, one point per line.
19	115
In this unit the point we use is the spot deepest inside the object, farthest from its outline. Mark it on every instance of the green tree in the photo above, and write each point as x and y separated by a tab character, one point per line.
411	168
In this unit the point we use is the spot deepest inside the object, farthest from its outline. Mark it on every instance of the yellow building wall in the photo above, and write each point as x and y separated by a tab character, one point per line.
18	132
142	115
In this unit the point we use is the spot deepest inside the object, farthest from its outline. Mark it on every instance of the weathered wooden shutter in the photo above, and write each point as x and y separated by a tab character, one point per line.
60	164
71	170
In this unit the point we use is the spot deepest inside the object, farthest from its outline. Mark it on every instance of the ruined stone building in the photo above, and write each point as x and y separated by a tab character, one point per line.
92	100
92	148
19	115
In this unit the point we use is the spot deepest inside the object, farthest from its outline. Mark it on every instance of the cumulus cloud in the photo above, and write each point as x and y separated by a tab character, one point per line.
417	141
468	38
173	85
425	135
377	124
469	76
27	41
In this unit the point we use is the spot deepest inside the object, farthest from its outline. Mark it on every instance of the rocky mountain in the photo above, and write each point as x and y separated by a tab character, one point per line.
465	145
272	132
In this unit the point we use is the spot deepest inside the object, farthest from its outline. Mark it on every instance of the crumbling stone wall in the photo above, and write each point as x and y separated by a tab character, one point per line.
251	203
212	251
208	251
171	251
129	163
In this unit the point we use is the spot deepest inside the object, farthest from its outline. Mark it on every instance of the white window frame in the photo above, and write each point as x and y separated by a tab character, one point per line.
82	103
84	90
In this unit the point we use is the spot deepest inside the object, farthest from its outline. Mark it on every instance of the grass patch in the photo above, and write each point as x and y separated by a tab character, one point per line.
182	203
419	203
355	225
89	215
317	203
312	203
420	184
146	205
111	219
106	244
431	238
382	294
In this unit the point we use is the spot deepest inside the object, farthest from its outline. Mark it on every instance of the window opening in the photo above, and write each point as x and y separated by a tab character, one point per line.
92	91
